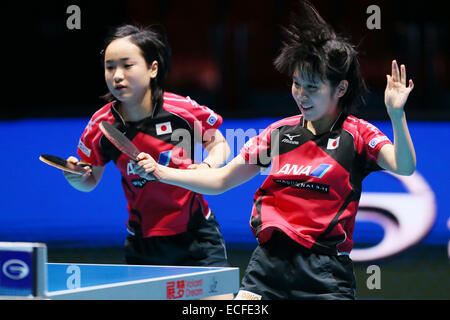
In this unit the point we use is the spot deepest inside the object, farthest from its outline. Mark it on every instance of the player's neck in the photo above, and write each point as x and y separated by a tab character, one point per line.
135	110
323	124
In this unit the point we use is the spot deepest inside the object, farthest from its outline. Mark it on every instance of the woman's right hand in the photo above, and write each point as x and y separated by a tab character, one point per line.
71	177
148	167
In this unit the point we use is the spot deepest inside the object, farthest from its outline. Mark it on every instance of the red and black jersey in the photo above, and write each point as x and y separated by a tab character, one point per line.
169	136
313	189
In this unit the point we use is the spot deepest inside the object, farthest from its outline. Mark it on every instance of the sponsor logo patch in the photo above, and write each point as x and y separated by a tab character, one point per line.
307	170
139	183
373	143
84	149
290	139
307	185
212	119
164	158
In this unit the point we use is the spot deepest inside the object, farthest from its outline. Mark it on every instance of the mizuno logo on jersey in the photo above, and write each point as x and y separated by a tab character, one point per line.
290	139
293	169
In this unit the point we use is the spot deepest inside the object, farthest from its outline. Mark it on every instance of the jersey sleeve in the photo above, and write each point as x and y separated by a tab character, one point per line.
372	142
257	150
89	148
209	120
202	119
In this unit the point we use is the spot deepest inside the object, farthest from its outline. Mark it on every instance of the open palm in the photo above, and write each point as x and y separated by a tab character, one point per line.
397	92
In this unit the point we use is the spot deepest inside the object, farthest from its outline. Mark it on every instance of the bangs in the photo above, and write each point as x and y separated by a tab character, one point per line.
310	70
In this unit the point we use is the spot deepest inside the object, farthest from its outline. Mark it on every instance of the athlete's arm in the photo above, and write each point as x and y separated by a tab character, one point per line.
213	181
86	182
218	152
399	158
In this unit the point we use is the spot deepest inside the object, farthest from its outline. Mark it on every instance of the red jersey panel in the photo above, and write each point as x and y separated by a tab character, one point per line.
313	189
169	136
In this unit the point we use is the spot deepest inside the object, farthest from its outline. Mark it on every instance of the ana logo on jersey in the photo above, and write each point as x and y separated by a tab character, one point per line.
293	169
130	168
139	182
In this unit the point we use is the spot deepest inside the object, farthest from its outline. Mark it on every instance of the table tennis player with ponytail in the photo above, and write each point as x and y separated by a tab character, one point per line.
168	225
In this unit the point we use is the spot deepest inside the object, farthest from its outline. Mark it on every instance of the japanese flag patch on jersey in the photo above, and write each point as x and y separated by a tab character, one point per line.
163	128
333	143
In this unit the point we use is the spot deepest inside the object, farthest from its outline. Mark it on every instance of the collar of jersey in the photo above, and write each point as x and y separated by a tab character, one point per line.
336	125
119	117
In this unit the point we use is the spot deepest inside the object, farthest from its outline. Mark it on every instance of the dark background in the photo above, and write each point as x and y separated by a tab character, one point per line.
222	54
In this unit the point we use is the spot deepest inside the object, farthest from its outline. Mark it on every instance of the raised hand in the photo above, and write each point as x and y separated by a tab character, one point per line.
397	92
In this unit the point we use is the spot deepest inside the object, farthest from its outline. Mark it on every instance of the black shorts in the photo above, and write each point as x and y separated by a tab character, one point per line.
201	245
283	269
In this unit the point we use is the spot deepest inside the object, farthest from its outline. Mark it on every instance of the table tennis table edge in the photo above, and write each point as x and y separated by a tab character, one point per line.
113	291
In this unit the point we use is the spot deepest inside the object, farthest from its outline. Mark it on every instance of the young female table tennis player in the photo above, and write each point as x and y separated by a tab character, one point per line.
304	212
168	225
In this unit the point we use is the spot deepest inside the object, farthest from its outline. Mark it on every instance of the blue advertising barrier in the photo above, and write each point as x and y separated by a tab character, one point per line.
38	205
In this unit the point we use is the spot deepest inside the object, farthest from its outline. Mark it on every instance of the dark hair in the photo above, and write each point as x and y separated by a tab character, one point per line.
154	46
315	49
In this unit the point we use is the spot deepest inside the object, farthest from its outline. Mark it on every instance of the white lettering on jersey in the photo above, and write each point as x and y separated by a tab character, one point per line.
98	118
192	102
84	149
370	126
295	169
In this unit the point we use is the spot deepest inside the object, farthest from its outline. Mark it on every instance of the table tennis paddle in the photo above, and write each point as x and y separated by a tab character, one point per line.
64	165
119	140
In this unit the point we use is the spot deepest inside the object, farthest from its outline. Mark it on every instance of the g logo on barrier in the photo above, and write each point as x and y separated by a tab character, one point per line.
405	217
15	269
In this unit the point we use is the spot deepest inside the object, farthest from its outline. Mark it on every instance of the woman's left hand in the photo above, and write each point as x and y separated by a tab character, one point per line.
397	92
